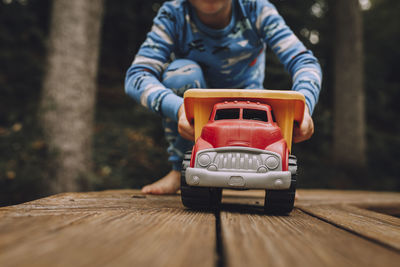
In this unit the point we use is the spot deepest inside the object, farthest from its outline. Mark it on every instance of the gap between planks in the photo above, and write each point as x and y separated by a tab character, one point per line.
110	212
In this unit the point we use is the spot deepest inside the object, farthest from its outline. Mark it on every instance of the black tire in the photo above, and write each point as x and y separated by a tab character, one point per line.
199	198
282	201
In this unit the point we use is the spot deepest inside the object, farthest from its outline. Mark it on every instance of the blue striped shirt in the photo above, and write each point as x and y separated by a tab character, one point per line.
232	57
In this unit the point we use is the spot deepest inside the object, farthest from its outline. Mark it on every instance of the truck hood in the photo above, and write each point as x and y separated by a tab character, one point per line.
244	133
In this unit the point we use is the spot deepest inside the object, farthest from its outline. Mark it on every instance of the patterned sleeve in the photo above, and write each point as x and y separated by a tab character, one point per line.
298	61
142	80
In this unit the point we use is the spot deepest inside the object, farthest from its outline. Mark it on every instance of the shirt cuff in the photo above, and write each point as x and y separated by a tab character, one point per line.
170	106
309	99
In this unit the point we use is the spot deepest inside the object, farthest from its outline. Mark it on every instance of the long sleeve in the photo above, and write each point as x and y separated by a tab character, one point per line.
297	59
142	80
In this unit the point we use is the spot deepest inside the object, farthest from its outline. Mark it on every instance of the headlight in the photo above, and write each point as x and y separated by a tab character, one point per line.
212	167
272	162
262	169
204	160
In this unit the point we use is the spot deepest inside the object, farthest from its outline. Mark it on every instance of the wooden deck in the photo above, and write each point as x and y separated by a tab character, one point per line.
126	228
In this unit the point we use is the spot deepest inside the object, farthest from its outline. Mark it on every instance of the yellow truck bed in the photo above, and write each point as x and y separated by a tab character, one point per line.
288	106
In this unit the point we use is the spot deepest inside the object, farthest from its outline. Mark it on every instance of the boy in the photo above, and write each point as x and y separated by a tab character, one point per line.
213	44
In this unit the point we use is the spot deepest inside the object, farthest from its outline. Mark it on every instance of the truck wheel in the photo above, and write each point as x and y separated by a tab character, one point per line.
198	197
282	201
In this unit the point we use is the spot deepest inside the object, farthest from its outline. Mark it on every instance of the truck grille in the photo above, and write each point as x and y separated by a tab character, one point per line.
242	159
238	161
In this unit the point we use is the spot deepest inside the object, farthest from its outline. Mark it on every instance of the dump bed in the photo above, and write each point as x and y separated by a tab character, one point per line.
288	106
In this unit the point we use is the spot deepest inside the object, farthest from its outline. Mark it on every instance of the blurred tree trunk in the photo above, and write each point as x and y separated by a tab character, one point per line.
349	145
68	99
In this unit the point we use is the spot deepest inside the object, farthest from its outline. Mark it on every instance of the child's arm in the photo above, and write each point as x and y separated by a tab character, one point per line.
142	80
300	62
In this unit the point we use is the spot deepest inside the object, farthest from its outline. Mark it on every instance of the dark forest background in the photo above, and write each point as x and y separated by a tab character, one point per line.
128	146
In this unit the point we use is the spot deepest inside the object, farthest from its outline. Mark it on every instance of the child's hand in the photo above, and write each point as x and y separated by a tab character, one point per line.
185	129
305	130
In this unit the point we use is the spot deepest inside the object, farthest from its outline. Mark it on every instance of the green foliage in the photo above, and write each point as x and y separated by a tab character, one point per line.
129	147
22	30
23	161
23	155
382	36
130	150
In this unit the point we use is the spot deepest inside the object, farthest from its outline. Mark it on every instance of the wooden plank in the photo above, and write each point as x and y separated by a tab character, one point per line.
125	227
392	209
15	230
372	225
382	202
296	240
319	197
126	231
94	201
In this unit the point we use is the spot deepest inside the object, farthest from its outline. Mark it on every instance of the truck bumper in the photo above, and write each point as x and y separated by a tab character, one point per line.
277	180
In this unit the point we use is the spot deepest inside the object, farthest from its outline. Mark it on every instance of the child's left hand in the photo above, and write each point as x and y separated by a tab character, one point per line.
305	130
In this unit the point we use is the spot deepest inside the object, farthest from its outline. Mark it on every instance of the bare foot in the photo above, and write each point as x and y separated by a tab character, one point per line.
169	184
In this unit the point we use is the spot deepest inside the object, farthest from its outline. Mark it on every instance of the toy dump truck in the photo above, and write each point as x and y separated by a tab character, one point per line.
243	141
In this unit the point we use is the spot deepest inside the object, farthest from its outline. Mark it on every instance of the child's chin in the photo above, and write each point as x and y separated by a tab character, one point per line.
208	7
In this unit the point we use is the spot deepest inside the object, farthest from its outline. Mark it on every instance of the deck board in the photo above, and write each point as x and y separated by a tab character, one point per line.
296	240
126	231
376	226
127	228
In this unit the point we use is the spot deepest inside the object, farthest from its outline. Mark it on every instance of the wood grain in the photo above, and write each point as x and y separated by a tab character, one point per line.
95	201
296	240
127	228
106	229
373	225
312	197
325	197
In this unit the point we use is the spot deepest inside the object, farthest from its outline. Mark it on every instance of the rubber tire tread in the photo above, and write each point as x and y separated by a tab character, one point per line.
198	198
281	202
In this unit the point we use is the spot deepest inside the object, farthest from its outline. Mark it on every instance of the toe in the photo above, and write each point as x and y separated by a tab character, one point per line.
146	189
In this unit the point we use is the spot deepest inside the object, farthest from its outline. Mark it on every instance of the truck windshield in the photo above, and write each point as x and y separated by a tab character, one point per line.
227	114
255	114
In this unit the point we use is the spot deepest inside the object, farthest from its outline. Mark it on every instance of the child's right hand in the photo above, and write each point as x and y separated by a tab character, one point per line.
185	129
304	131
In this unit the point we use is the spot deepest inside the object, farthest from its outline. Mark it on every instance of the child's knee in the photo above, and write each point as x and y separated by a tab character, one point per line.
183	74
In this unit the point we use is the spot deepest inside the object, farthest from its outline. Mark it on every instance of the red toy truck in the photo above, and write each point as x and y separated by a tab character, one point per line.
241	146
